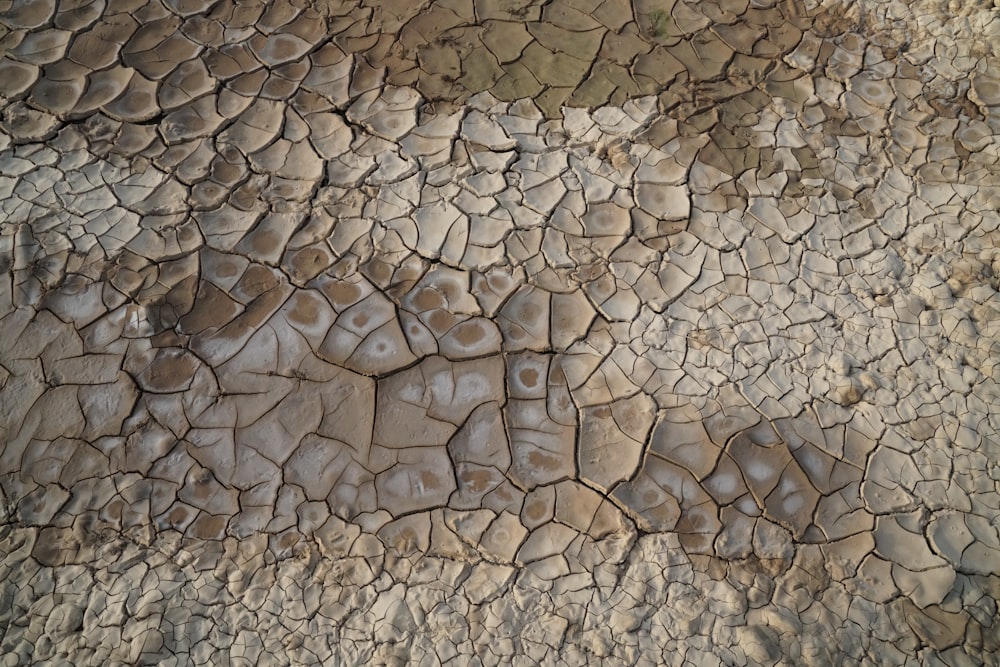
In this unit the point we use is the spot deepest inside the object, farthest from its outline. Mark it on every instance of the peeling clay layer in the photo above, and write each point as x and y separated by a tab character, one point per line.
489	332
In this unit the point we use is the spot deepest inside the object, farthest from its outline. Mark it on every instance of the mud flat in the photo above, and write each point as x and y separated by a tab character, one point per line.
491	332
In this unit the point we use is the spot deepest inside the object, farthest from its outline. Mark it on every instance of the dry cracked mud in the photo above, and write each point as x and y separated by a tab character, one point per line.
499	332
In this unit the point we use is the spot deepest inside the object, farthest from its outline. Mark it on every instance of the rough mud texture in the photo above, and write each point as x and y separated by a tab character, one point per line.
499	332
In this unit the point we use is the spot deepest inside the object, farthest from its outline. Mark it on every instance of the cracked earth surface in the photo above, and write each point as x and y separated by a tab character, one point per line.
483	332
